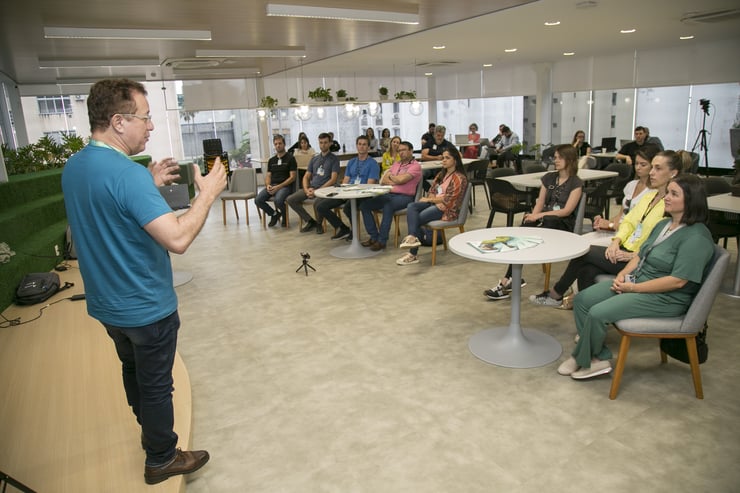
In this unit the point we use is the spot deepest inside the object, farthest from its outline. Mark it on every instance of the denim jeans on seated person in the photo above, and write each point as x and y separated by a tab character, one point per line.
418	214
388	204
325	209
279	199
147	355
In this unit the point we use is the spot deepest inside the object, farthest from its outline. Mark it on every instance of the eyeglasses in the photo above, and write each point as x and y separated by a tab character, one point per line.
147	118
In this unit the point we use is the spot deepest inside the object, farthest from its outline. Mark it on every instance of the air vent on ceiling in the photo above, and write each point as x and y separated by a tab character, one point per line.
436	64
711	17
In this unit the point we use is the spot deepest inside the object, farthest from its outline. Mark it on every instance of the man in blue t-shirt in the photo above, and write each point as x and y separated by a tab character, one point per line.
360	169
124	231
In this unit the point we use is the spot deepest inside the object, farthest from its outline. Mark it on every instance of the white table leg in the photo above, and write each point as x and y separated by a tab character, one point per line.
512	346
354	249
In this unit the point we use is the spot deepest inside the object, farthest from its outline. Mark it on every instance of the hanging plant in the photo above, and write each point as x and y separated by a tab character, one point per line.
268	102
293	100
320	94
405	95
341	95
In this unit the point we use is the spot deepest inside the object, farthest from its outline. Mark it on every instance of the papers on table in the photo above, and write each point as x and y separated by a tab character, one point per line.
373	189
506	243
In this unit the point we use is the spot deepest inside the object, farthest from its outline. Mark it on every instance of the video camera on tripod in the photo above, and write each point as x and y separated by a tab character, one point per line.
704	103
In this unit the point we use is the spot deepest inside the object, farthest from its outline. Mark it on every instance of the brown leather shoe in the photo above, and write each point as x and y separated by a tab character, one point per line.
367	243
377	246
183	463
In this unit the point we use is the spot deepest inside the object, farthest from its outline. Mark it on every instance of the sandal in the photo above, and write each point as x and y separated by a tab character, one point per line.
567	303
408	259
410	242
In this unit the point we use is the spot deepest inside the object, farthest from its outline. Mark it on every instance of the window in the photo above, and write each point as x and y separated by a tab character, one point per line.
54	105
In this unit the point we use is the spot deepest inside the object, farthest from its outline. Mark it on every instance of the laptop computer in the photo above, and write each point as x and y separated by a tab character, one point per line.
177	196
461	139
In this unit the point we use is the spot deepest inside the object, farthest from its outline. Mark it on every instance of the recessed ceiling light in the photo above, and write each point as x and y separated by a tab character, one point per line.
627	31
686	37
439	47
510	50
428	73
488	65
552	23
569	53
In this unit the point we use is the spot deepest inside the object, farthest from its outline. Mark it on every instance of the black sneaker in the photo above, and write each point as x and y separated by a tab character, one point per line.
498	292
309	226
274	220
319	229
342	232
349	237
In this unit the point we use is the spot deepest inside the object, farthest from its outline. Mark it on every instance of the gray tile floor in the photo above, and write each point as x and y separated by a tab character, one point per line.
357	378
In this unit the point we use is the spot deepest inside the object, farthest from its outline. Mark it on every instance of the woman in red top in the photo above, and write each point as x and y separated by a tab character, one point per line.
472	152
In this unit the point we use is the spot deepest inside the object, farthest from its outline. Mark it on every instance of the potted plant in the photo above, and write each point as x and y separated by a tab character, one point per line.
320	94
268	102
383	92
341	95
293	100
405	95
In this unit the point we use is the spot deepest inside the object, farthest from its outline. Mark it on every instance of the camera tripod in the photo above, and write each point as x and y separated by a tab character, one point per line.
305	266
701	139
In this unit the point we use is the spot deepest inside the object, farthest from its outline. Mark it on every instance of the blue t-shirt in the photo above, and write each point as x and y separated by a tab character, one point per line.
127	274
321	167
365	170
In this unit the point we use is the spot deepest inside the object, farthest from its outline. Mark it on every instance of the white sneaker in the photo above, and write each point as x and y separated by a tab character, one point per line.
410	242
544	299
598	367
408	259
568	366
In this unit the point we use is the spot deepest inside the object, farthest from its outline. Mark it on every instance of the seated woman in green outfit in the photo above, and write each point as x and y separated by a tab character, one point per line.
660	281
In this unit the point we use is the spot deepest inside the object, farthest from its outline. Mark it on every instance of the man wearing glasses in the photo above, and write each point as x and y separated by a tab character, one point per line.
124	230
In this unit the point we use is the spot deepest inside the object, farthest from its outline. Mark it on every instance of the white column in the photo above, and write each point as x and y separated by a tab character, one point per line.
543	129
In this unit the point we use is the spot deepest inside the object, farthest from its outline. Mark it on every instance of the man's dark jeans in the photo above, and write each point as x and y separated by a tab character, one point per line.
147	354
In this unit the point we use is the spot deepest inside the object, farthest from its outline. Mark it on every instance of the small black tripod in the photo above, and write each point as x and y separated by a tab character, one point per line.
701	139
305	265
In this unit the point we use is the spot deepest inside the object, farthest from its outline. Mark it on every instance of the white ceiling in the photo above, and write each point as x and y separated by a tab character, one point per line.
474	32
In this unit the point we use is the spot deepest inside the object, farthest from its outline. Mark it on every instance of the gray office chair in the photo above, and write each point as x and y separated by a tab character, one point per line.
684	327
243	186
440	226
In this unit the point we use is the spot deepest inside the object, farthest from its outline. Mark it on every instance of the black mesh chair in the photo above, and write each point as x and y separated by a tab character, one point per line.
722	225
507	199
533	168
597	199
616	191
476	172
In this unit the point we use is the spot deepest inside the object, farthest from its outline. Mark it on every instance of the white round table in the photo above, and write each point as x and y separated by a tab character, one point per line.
512	346
352	193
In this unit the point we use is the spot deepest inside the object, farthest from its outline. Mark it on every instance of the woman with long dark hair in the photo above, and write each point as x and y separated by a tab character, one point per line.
443	201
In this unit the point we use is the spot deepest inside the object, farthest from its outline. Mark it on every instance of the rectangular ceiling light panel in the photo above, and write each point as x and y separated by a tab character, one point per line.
108	62
297	51
285	10
101	33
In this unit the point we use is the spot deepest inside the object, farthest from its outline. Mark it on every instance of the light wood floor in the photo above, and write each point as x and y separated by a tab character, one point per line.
65	425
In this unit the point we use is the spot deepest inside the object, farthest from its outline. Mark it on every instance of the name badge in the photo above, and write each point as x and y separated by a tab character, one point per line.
320	171
434	147
637	233
556	207
439	189
358	180
280	162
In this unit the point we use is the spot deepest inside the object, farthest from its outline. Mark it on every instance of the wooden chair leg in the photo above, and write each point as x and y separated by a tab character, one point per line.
235	210
434	247
246	210
694	363
546	269
396	230
624	347
223	210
